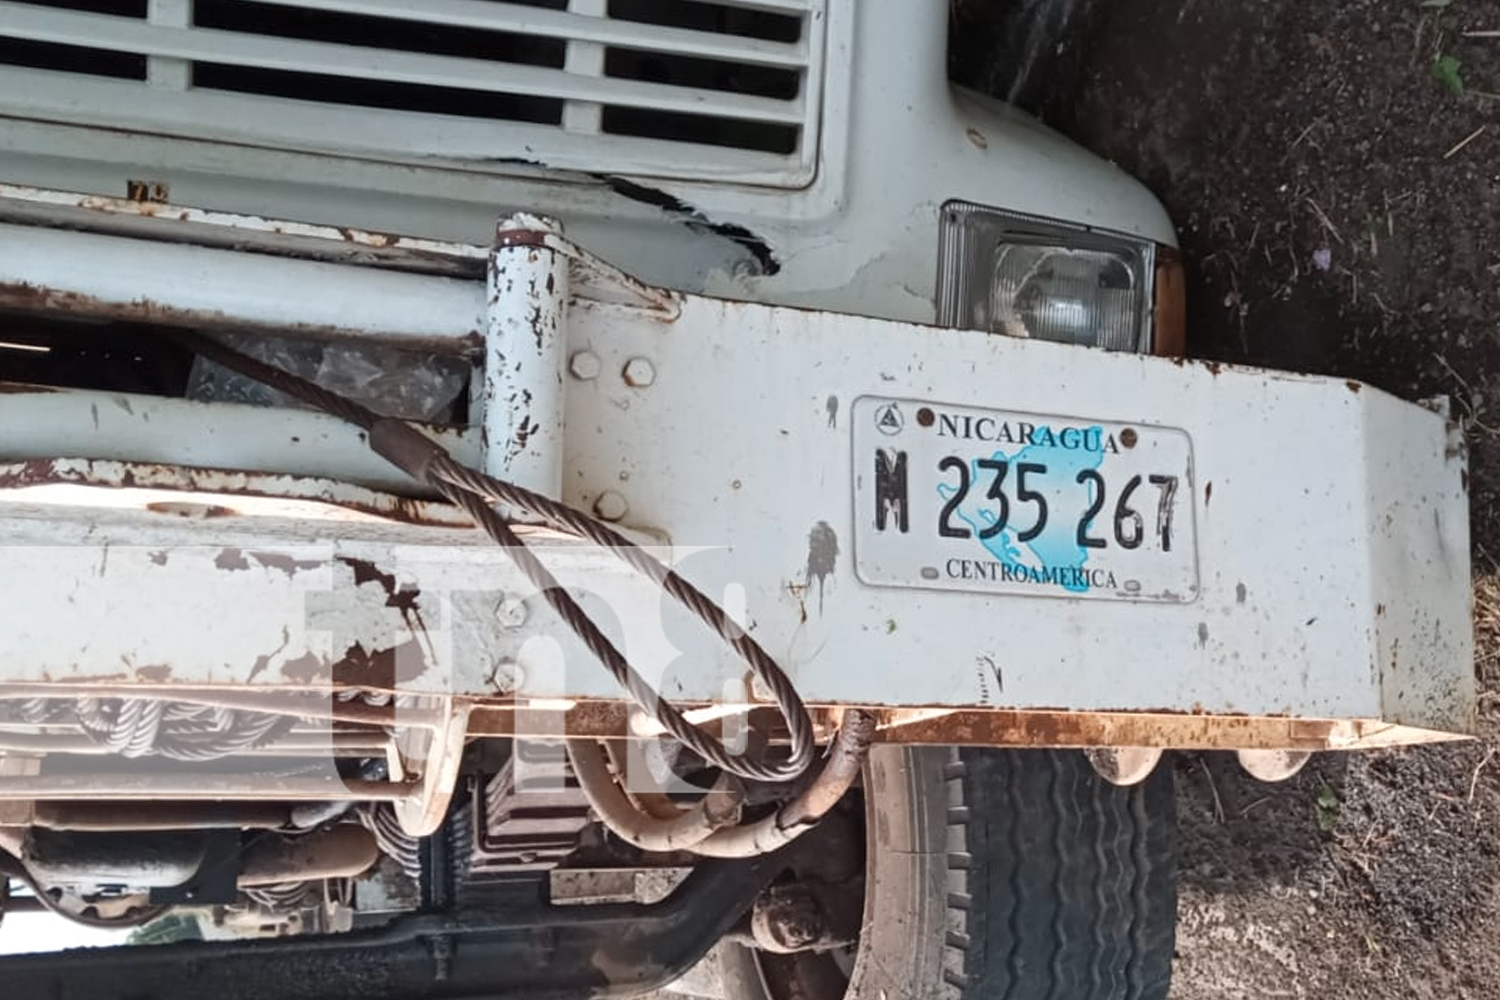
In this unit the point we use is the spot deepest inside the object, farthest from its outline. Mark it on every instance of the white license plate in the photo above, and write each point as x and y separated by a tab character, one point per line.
959	498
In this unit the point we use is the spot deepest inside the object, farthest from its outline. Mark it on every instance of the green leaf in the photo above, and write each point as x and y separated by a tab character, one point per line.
1446	69
1327	811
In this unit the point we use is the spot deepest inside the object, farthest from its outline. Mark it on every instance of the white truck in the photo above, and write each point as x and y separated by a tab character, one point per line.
307	304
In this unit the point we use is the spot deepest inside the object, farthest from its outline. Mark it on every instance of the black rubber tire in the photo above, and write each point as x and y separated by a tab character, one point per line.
1009	875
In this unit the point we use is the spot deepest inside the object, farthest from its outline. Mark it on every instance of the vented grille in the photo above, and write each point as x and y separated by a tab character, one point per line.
685	88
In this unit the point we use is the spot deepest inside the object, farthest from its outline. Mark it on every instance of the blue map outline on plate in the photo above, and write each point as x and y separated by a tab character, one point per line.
1057	546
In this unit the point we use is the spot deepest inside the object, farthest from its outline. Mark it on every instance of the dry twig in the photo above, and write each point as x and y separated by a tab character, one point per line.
1474	778
1214	788
1465	141
1327	223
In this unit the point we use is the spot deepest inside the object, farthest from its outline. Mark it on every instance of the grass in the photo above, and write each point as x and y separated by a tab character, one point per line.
1487	635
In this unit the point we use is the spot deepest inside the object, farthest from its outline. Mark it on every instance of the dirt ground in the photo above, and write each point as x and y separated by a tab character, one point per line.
1339	207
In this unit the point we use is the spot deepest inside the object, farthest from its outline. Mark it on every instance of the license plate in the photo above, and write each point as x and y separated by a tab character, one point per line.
994	501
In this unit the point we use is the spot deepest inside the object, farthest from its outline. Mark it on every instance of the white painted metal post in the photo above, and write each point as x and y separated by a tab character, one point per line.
522	404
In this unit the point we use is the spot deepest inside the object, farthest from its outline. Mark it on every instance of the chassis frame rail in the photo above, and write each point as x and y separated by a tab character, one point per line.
537	952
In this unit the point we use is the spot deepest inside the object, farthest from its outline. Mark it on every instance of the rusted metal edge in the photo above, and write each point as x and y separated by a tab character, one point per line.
212	486
342	244
1000	727
339	244
594	279
23	296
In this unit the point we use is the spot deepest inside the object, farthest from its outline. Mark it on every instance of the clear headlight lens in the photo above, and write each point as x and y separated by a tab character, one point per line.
1031	278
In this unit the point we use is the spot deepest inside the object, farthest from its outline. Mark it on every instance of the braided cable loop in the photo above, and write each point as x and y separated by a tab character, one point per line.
474	492
471	490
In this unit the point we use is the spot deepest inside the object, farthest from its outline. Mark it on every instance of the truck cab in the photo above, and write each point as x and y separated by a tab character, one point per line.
740	303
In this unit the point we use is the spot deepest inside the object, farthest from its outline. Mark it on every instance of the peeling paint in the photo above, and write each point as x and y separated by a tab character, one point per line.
403	600
305	669
263	661
174	480
285	563
381	668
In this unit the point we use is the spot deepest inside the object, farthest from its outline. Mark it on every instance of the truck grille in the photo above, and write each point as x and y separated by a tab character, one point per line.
728	90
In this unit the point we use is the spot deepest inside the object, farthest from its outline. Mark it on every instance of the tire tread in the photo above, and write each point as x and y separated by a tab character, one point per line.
1078	879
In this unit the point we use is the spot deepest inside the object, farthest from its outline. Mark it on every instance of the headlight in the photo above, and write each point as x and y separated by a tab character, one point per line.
1027	277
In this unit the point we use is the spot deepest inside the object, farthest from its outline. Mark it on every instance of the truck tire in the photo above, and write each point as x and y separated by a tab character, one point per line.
999	875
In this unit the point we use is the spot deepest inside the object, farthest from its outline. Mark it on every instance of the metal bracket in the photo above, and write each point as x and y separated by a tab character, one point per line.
215	881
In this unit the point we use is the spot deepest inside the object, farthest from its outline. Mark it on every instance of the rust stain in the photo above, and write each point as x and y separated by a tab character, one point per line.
147	195
369	238
23	389
1048	727
434	256
28	473
1208	492
26	297
111	475
1353	386
156	673
189	509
